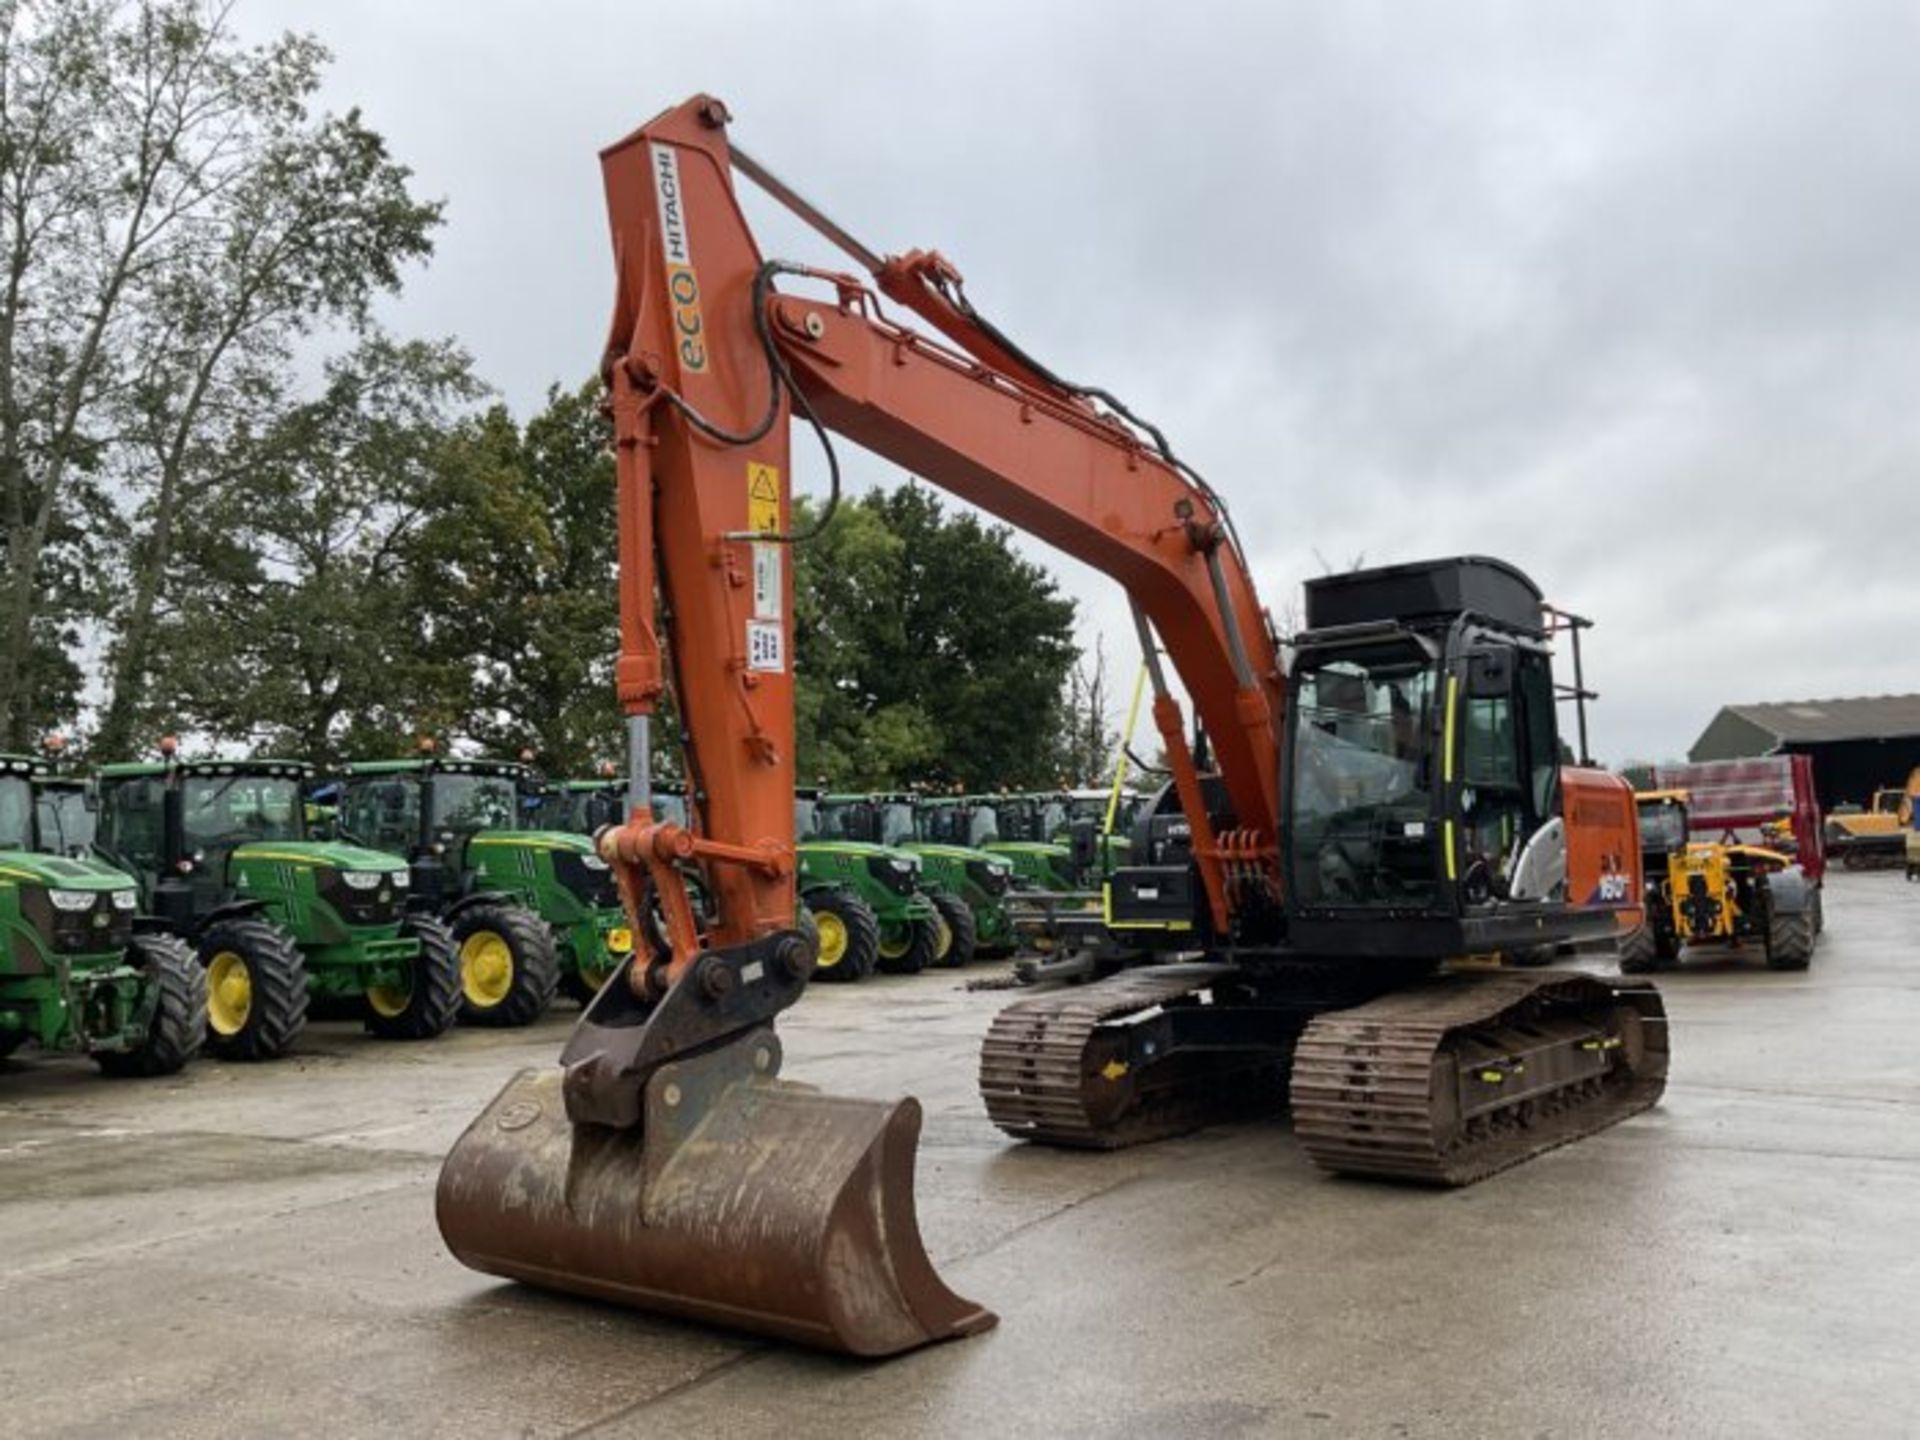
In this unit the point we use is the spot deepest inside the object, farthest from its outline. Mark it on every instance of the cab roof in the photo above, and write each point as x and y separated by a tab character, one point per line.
437	765
280	769
22	765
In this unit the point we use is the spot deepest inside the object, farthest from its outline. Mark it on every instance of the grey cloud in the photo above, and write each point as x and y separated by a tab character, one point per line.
1627	293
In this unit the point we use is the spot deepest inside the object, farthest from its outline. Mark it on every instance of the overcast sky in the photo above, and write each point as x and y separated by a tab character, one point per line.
1628	294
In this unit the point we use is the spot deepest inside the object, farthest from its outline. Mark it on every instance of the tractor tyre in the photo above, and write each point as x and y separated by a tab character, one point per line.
1532	957
1790	942
577	984
256	986
431	1002
179	1025
804	922
910	950
1817	908
849	934
509	965
1640	952
10	1043
961	938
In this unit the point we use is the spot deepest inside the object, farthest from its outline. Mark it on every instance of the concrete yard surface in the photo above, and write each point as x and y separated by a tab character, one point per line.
251	1250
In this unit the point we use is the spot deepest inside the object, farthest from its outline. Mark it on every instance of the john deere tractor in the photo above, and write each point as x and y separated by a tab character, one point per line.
948	836
1702	893
865	896
1020	829
582	807
74	976
531	909
221	851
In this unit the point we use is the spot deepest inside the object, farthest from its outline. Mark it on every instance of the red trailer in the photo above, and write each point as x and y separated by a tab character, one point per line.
1727	796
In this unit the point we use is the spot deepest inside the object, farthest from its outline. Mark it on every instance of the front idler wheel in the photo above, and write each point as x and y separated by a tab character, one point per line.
509	966
256	981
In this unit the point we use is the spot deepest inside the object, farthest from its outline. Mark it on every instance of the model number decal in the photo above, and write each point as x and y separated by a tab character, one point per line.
683	288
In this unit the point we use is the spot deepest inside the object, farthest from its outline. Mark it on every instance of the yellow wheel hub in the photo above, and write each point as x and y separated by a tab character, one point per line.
486	968
833	938
942	937
389	1002
893	949
229	993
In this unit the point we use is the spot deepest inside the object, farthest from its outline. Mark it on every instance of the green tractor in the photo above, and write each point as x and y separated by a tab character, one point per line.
75	977
1021	830
948	837
532	906
588	806
865	896
224	861
582	807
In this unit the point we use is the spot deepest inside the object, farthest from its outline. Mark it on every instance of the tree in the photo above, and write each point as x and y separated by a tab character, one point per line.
514	577
173	220
297	627
928	650
1089	740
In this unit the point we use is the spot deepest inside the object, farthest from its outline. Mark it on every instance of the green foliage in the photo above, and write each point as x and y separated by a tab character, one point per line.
173	218
927	650
514	578
295	630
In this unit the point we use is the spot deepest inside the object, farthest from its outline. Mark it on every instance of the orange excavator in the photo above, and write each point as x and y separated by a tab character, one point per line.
1352	841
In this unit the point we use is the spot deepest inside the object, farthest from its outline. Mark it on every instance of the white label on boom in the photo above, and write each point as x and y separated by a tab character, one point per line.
769	581
766	645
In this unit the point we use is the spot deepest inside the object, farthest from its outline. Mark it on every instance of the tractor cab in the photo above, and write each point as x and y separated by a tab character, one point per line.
530	908
199	833
582	807
1665	824
955	820
1429	809
430	811
885	820
65	817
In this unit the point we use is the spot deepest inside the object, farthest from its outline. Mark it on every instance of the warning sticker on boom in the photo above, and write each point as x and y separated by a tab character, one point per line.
763	497
766	645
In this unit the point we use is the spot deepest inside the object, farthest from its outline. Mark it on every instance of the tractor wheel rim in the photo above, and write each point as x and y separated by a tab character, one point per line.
942	937
486	968
833	939
229	993
901	942
389	1002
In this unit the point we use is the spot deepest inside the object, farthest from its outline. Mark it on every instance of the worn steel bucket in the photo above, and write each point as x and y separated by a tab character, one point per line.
740	1199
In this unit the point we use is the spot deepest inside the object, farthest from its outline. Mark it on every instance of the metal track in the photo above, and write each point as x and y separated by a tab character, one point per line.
1061	1068
1407	1087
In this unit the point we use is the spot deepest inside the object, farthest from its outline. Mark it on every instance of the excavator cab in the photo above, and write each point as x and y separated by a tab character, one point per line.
1428	790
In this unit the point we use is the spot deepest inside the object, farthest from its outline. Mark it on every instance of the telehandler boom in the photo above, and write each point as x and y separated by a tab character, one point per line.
1394	801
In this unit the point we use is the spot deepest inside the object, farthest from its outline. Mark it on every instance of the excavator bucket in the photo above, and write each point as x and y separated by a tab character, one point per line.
739	1199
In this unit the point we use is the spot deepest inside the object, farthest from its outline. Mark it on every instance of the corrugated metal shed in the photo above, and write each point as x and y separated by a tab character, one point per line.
1813	722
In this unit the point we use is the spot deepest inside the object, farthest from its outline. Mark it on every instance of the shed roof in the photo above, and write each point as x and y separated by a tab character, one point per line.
1805	722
